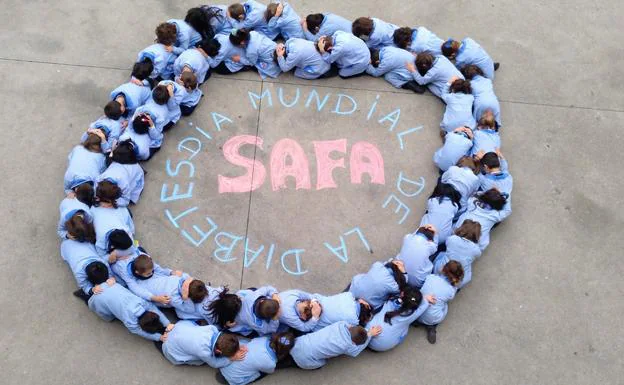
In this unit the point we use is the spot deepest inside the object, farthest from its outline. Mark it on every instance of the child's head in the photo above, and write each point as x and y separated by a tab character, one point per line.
460	86
271	10
97	273
143	69
211	47
166	34
374	53
197	18
490	161
227	345
470	71
304	309
197	291
314	21
113	110
150	323
470	230
143	266
93	143
239	37
446	190
141	124
366	314
468	161
328	45
189	79
402	37
79	228
493	198
268	308
426	232
282	344
359	335
125	153
225	308
424	62
85	193
454	272
107	191
488	121
450	48
362	27
160	94
410	299
119	239
236	11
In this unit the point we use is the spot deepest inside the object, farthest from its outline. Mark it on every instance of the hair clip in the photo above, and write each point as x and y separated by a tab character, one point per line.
234	32
284	341
448	43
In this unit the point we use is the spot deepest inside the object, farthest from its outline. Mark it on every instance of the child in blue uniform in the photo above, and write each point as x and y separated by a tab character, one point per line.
463	177
186	36
495	172
107	216
161	54
468	52
316	25
75	221
463	247
194	60
126	173
259	312
442	207
282	20
457	144
140	133
250	16
209	20
109	125
177	93
433	72
380	282
389	62
375	32
350	54
342	307
79	255
85	163
130	95
483	92
225	58
259	51
302	55
415	253
486	136
418	40
188	80
299	310
442	287
395	319
222	309
458	112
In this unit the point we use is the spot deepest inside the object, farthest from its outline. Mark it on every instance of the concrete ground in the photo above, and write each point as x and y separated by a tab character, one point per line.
545	303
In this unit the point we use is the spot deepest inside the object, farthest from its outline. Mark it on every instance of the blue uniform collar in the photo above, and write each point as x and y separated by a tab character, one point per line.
462	133
414	33
77	182
213	342
497	176
323	22
257	320
462	47
247	7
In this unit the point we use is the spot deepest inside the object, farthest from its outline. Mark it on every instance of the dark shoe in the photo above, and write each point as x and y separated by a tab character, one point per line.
81	294
431	334
220	379
415	87
159	345
496	65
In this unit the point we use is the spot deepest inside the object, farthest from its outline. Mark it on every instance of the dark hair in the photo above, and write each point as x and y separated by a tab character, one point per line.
236	11
199	19
493	198
197	291
166	34
307	310
119	239
150	323
211	47
160	94
470	230
189	79
225	308
374	53
140	124
426	232
454	272
402	37
424	62
142	264
108	192
362	26
79	228
329	44
470	71
85	193
490	160
271	10
238	37
314	21
460	85
142	69
468	161
282	344
410	300
268	308
93	143
227	344
112	110
366	313
359	335
446	190
125	153
399	277
97	272
450	47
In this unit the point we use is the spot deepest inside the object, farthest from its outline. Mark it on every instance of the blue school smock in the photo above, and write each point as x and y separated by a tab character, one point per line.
288	24
78	255
502	180
83	166
160	115
486	216
464	181
129	177
393	334
486	140
438	76
116	302
485	98
329	26
311	351
458	111
423	40
195	60
220	23
246	320
259	52
186	36
254	19
107	219
336	308
350	54
443	292
415	252
161	59
197	311
470	52
123	270
440	213
302	55
141	141
111	128
290	316
225	54
170	285
374	286
134	96
461	250
382	35
67	209
456	145
260	359
191	344
392	66
173	104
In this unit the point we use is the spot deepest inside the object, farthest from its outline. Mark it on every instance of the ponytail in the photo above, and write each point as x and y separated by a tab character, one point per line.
399	277
410	299
225	308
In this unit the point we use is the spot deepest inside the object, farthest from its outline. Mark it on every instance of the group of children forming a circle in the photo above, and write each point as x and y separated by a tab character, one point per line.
250	333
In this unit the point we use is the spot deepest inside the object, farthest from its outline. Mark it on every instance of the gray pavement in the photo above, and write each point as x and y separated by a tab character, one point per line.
545	304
